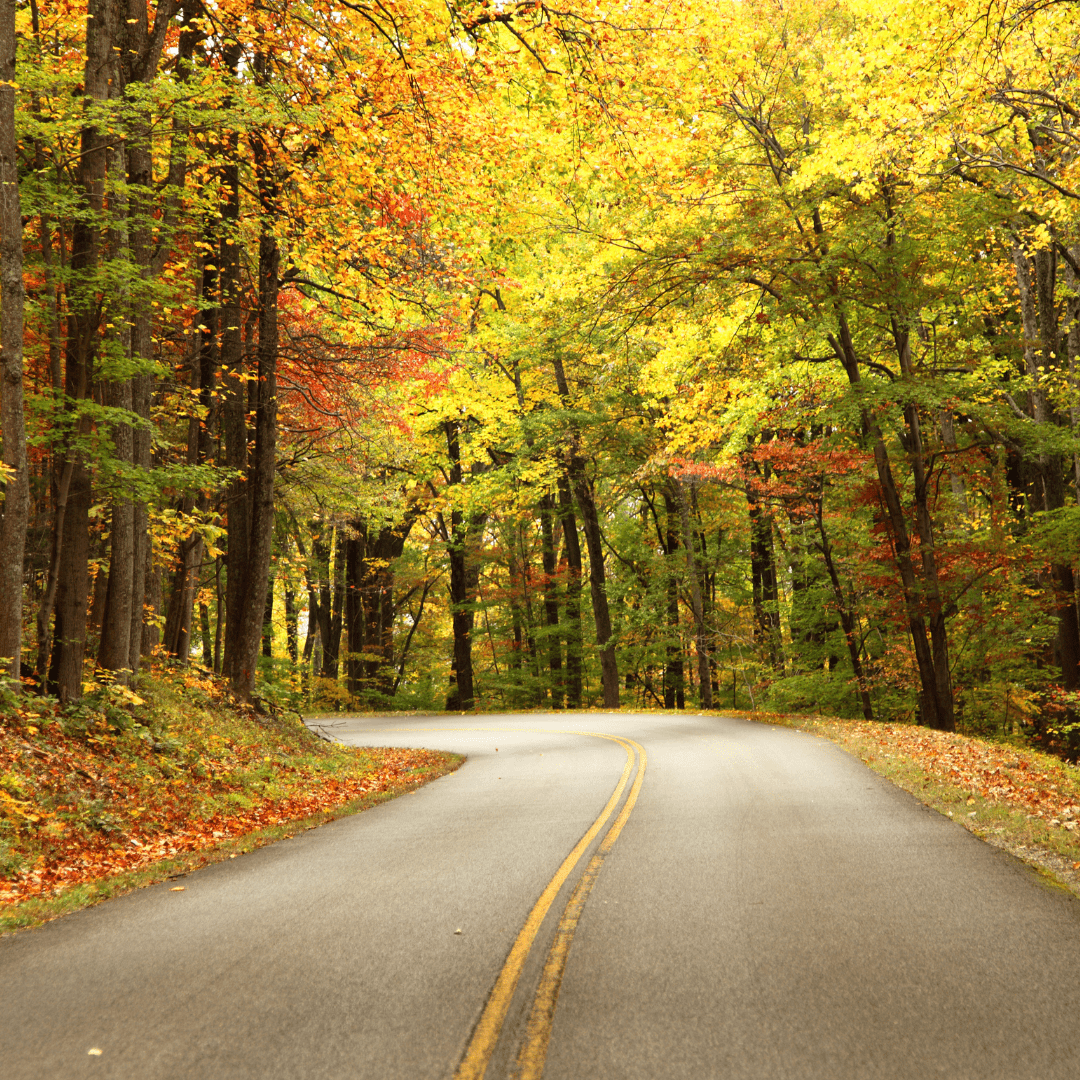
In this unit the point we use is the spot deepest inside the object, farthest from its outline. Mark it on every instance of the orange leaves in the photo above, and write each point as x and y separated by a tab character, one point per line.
170	828
999	774
83	799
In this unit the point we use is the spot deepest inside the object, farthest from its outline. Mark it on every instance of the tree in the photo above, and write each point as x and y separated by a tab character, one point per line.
12	424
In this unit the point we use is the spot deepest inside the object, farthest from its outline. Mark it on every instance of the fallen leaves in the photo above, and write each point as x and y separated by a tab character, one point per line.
79	809
1024	779
123	841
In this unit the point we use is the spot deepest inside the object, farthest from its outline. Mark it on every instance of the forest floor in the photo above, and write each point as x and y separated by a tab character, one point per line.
127	789
1016	798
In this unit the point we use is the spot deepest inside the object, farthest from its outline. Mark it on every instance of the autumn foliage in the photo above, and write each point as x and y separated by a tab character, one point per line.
126	782
436	355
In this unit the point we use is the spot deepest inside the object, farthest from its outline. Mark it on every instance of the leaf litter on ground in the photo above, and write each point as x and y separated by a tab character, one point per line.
125	783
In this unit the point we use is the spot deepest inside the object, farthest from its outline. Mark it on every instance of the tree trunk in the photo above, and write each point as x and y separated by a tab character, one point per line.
1043	353
551	599
130	208
69	628
115	644
461	696
12	422
609	669
572	546
700	632
292	636
268	621
322	550
582	490
69	637
920	589
182	597
847	616
763	577
332	644
254	573
385	676
355	567
464	579
674	673
249	561
207	639
150	633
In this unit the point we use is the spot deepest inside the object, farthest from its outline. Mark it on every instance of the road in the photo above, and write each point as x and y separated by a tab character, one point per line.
762	906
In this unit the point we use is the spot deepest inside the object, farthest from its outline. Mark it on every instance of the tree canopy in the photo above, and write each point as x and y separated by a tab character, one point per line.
497	355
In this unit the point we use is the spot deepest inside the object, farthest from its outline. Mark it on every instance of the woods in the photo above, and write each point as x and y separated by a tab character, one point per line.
502	356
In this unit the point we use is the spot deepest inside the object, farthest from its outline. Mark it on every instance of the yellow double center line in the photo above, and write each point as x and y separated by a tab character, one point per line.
530	1062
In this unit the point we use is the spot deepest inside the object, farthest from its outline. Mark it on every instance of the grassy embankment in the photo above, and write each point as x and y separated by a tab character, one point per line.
127	789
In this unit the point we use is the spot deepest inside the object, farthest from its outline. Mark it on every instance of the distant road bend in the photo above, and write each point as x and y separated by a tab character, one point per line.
590	897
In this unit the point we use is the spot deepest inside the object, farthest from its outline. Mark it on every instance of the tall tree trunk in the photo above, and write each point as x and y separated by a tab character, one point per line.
73	586
551	598
572	547
922	598
48	599
115	644
355	567
13	525
700	632
144	56
268	621
764	580
385	677
590	521
309	635
462	695
322	549
390	546
182	597
136	60
249	560
292	635
1043	353
84	317
464	579
207	638
154	603
847	616
241	665
332	643
674	673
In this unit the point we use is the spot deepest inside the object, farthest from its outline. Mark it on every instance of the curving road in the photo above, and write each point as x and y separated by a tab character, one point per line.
749	902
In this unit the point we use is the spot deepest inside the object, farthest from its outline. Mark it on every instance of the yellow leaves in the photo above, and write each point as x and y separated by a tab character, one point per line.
18	811
128	695
1040	238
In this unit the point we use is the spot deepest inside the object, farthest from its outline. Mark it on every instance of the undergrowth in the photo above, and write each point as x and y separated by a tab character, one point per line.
127	779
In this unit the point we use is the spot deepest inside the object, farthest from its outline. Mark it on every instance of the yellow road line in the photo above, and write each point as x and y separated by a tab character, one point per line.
475	1062
533	1054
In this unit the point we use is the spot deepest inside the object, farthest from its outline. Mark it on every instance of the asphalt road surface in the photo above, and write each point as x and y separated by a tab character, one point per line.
749	902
